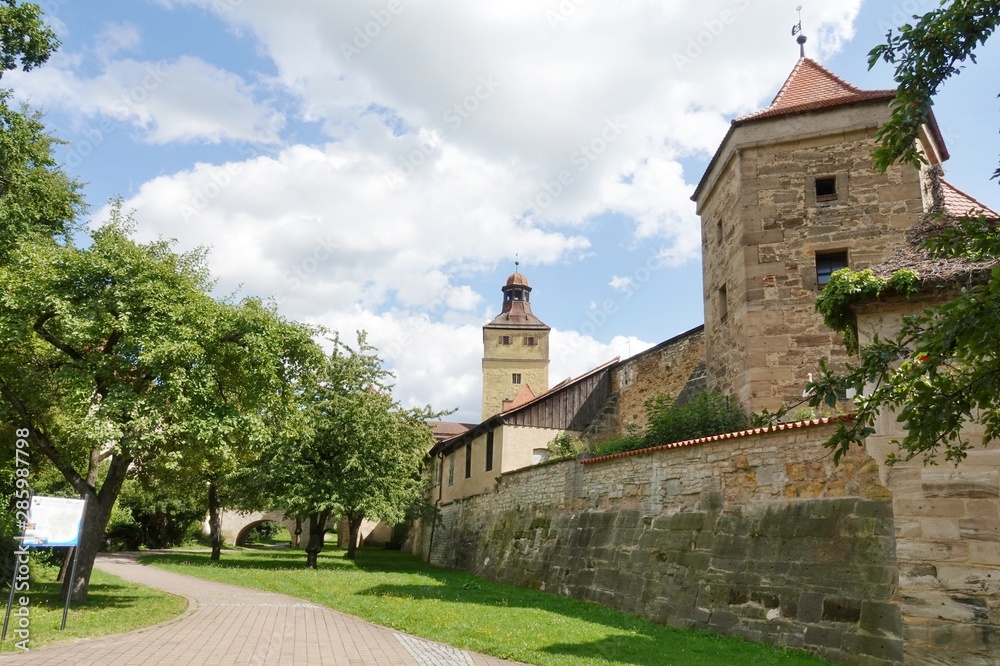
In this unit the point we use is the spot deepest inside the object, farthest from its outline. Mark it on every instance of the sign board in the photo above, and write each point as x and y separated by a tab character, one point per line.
53	521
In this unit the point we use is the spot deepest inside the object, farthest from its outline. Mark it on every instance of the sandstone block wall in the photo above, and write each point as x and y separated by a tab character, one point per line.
758	536
947	522
664	369
762	228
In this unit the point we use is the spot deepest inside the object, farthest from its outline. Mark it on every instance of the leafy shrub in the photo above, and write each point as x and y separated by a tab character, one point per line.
564	446
707	413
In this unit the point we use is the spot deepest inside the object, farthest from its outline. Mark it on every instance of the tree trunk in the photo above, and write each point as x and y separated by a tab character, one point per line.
317	526
95	521
64	568
214	521
354	528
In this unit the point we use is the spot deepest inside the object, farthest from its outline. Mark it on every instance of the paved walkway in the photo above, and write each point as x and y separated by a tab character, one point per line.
226	624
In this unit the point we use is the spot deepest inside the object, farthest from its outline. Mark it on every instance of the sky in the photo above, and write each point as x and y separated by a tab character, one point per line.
380	165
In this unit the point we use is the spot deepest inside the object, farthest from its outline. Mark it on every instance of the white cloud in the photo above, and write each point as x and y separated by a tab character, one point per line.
186	99
456	134
620	283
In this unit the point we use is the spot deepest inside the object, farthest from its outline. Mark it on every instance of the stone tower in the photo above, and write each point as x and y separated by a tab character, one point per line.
515	349
789	197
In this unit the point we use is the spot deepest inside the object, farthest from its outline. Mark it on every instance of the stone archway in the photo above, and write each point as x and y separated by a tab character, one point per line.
235	526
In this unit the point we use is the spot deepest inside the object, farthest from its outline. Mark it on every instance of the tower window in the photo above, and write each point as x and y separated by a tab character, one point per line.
827	263
468	460
719	231
506	340
531	341
451	470
489	450
516	378
826	188
723	303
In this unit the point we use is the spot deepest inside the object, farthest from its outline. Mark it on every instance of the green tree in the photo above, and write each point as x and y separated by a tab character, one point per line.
36	197
926	54
355	452
99	352
941	370
251	374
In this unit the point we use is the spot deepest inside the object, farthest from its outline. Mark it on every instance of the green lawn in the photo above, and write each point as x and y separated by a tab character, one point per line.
113	606
400	591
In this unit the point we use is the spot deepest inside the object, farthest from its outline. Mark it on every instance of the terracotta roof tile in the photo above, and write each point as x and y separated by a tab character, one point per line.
728	435
959	204
811	86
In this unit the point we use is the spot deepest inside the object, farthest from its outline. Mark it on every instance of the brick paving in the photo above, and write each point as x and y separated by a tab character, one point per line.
226	624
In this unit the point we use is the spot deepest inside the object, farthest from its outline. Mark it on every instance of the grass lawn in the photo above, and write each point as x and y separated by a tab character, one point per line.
401	591
113	606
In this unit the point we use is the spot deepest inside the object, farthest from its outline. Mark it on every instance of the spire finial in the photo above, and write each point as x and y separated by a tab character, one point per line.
797	30
516	262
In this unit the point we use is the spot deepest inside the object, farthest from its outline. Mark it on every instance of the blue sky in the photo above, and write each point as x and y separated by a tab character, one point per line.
378	165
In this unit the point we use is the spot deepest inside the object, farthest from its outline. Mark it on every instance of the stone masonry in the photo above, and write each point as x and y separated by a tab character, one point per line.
762	228
758	536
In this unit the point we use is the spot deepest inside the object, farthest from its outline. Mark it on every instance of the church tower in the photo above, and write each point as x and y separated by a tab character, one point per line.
789	197
515	351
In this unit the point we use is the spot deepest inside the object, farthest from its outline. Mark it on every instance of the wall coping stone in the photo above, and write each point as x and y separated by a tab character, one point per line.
728	435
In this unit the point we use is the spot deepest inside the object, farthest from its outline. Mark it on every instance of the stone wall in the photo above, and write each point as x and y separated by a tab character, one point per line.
762	228
947	521
664	369
758	536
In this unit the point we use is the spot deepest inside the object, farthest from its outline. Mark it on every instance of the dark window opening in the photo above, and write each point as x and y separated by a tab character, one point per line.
826	189
489	451
723	303
531	341
828	263
516	378
506	340
451	470
719	231
468	460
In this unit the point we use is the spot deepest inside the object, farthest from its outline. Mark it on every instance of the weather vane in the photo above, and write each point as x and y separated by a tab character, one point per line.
797	30
516	262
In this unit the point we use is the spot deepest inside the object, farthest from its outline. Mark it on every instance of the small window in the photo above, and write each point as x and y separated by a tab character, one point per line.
723	303
827	263
718	231
489	450
468	460
826	188
506	340
531	341
451	470
516	378
539	456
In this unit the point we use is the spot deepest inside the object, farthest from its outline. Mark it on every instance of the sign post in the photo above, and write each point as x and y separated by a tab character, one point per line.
53	522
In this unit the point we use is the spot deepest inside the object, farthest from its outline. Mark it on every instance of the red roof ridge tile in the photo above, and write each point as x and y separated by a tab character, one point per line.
777	427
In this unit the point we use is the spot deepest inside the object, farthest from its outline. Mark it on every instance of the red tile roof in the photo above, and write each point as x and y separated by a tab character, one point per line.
811	86
523	397
728	435
959	204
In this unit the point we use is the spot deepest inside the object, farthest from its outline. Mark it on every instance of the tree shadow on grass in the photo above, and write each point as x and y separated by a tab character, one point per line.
99	595
629	639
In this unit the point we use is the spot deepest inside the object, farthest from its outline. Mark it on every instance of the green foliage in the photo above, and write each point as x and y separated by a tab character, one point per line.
707	413
164	515
926	53
25	40
848	287
37	199
565	446
353	451
122	532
